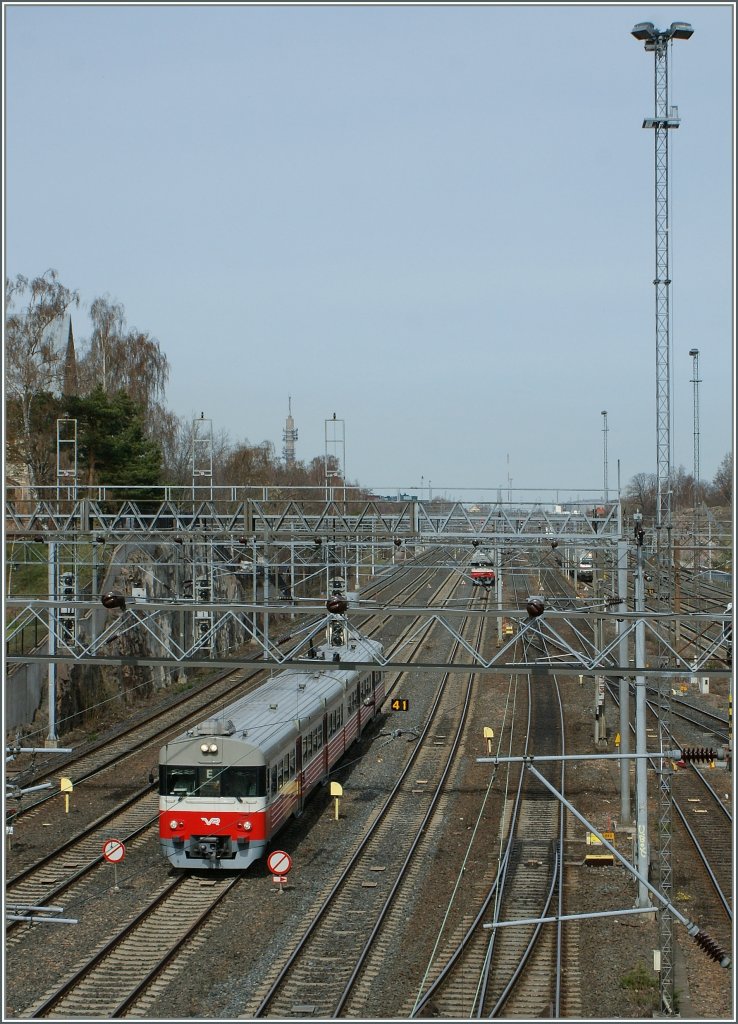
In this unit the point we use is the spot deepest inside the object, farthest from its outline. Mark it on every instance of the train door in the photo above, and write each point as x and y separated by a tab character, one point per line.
324	753
298	776
357	710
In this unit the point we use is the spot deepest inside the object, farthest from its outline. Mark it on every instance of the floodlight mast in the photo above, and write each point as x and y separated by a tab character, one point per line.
664	118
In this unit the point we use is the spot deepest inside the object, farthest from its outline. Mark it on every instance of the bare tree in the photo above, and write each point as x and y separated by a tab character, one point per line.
35	351
723	481
108	320
640	494
131	361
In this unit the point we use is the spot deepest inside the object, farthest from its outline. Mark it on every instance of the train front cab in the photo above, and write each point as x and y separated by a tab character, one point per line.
212	804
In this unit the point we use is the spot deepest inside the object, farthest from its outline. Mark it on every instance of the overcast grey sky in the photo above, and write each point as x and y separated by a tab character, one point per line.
436	222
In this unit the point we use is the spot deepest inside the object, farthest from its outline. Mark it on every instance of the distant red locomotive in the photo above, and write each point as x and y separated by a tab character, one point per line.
482	569
228	785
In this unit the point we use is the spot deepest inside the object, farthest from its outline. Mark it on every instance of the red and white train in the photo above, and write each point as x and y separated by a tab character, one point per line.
482	569
228	785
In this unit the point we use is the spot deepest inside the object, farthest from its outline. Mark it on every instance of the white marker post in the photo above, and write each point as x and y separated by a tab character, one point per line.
279	863
114	853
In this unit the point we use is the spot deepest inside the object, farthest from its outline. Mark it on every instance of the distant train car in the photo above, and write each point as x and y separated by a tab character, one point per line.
582	566
228	785
482	568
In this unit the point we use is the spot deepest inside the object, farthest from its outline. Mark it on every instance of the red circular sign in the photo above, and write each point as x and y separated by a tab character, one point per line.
279	862
113	851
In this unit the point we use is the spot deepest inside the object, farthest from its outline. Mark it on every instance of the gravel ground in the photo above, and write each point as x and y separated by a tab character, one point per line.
220	976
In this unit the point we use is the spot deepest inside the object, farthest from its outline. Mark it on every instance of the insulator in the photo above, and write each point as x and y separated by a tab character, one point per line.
698	754
535	606
710	946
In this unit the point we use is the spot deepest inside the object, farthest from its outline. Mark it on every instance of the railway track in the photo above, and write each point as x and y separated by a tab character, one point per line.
68	870
109	982
356	907
496	966
705	824
533	987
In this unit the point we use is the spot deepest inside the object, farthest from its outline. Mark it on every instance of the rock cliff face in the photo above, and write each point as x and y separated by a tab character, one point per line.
87	694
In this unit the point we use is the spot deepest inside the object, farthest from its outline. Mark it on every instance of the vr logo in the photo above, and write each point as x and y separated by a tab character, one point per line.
210	821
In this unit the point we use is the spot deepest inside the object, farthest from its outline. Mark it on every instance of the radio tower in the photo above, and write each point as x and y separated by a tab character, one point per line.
289	435
665	118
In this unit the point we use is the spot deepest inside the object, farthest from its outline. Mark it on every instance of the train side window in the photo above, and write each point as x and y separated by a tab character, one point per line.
273	788
339	716
293	764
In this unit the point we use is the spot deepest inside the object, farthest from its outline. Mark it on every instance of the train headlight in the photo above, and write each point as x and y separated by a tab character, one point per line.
213	748
247	826
172	824
204	748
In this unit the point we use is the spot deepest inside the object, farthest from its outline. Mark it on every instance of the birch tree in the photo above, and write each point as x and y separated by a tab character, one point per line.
34	356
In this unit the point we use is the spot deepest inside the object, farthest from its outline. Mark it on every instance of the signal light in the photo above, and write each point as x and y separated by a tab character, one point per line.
698	754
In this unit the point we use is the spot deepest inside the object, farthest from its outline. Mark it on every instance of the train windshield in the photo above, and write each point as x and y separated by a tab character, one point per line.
215	781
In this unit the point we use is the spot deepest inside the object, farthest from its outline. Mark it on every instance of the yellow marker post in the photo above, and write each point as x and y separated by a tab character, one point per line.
66	788
489	735
617	740
336	791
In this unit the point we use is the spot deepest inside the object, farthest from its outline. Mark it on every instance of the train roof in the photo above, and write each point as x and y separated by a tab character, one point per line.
289	701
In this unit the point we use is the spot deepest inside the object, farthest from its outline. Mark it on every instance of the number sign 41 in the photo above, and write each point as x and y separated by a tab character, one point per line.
400	704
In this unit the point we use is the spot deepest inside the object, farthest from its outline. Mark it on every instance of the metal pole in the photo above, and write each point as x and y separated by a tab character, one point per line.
624	685
52	739
696	560
266	596
642	854
604	434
